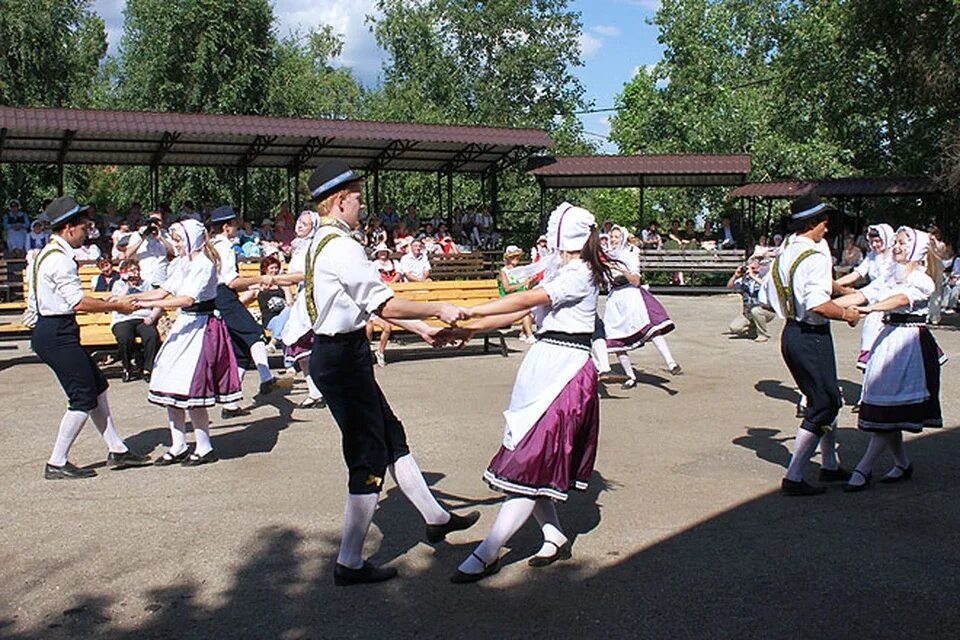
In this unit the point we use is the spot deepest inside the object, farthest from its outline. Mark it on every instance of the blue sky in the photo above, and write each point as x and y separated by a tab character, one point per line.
616	40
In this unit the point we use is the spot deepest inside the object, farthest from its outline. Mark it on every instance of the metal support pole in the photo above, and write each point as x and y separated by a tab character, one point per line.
376	191
59	178
543	209
450	194
495	198
640	213
449	218
154	186
290	193
244	196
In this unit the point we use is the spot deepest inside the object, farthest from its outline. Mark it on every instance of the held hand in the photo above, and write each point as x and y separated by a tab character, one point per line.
126	306
851	316
466	313
456	336
148	320
863	310
450	314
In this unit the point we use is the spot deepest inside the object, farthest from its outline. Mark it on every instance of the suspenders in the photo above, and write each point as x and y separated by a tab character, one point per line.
785	292
310	262
29	315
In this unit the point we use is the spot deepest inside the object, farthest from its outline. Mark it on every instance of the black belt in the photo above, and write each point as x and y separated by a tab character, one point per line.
806	327
563	339
341	337
905	319
201	308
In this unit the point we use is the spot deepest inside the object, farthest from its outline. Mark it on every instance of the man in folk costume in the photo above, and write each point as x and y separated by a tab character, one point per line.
56	296
799	288
343	290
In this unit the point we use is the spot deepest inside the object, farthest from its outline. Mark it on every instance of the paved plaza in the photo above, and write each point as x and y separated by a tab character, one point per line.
682	533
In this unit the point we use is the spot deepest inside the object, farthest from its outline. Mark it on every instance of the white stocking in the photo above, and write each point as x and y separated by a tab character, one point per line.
409	478
178	430
900	458
804	446
201	430
311	385
627	367
545	511
70	426
103	420
661	344
513	513
258	353
356	522
828	448
875	447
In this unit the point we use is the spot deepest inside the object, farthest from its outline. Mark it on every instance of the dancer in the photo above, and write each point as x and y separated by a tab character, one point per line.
876	267
249	342
343	289
55	295
901	386
552	424
632	316
195	368
798	288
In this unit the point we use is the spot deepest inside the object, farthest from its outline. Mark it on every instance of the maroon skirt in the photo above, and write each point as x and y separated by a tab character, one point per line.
299	349
559	452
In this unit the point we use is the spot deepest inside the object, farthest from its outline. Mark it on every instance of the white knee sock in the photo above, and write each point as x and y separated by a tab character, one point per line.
201	430
627	367
356	522
513	513
900	458
409	478
311	385
103	420
233	406
828	448
178	430
875	446
545	511
661	344
258	353
70	426
805	445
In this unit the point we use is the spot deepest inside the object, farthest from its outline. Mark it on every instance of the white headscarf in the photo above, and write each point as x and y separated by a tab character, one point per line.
617	252
193	234
885	233
918	242
569	228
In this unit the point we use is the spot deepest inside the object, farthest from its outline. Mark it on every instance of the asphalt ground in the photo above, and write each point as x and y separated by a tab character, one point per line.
682	533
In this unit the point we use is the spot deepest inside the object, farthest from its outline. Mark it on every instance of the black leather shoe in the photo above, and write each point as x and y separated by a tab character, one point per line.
437	532
129	376
856	488
905	474
126	459
630	383
834	475
367	574
801	488
226	414
168	458
267	387
67	472
563	553
313	403
676	369
466	578
195	460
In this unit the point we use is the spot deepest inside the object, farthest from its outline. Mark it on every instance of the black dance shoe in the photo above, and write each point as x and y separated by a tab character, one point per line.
267	387
437	532
168	458
129	376
856	488
313	403
905	474
67	472
126	459
195	460
466	578
834	475
675	369
801	488
367	574
227	414
629	383
563	553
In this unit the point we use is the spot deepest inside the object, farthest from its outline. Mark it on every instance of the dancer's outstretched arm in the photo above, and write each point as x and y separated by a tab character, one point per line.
509	304
887	304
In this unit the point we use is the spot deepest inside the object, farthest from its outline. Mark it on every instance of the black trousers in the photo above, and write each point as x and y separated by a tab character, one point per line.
808	351
56	339
372	436
244	330
126	333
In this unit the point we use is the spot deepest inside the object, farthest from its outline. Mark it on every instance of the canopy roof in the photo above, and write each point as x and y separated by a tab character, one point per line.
73	136
668	170
886	186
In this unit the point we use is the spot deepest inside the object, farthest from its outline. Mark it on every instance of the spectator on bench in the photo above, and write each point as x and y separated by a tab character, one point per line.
415	266
142	323
650	237
107	276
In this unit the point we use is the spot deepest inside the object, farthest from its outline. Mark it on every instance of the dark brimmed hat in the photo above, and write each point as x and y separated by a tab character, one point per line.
222	214
63	209
329	177
809	206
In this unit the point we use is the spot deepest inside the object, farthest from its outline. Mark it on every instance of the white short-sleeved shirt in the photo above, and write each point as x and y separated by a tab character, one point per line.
123	288
347	288
228	259
812	282
875	266
917	286
419	267
629	257
152	255
58	288
573	299
195	277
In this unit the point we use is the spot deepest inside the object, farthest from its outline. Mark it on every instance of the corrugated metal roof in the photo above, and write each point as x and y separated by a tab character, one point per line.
870	187
686	170
76	136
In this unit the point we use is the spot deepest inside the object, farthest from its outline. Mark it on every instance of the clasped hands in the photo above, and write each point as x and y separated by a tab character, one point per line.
451	334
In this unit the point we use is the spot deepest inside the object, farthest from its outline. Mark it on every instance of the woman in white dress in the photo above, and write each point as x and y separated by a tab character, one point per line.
632	316
195	367
901	385
552	423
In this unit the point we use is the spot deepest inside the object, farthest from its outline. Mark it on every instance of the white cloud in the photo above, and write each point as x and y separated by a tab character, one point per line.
606	31
589	45
649	5
112	13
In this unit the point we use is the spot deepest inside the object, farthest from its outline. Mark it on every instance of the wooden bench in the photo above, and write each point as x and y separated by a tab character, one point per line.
691	260
11	280
462	266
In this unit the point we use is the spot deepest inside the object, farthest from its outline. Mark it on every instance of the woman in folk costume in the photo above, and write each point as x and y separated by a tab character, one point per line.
632	316
195	367
552	423
901	386
877	266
